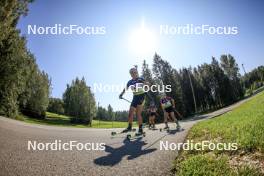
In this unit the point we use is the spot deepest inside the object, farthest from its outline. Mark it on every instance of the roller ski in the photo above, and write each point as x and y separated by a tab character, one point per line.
152	127
177	129
169	129
137	135
127	130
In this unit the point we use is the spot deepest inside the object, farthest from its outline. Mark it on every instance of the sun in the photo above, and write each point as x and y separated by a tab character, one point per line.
142	40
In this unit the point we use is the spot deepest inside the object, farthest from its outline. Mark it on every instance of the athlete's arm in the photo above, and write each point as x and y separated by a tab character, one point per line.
124	90
162	107
122	93
173	103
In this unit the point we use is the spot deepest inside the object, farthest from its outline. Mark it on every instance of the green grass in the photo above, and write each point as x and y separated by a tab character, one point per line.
62	120
244	126
204	165
107	124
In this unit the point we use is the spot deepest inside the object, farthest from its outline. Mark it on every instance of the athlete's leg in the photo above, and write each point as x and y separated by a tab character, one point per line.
149	121
174	119
153	121
172	116
166	114
130	119
131	114
139	110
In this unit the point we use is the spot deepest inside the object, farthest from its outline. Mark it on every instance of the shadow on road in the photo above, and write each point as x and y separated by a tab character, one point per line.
172	132
132	149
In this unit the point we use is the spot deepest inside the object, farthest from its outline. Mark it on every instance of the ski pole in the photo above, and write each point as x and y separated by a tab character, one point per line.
177	112
126	100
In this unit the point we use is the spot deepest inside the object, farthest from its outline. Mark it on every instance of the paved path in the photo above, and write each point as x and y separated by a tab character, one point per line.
121	157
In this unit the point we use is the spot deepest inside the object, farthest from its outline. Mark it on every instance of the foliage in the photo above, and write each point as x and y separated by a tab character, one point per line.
23	86
243	126
254	79
56	105
79	102
212	86
65	121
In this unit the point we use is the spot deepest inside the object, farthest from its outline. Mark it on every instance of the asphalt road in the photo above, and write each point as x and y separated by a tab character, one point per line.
120	157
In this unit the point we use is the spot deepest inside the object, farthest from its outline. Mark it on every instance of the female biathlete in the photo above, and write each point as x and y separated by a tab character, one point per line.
136	84
152	114
168	106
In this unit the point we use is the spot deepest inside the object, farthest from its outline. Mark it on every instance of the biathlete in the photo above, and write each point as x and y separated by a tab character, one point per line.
152	114
136	84
168	106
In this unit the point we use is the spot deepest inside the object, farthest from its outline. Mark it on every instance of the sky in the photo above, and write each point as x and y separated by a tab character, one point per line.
132	34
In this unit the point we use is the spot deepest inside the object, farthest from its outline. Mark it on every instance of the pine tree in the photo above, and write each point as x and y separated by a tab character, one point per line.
79	102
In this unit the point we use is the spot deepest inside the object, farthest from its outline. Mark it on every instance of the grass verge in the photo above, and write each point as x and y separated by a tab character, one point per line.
62	120
243	126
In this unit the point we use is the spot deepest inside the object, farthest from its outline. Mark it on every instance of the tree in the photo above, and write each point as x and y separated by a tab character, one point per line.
110	112
38	99
230	67
56	106
212	85
13	65
164	75
23	87
187	91
255	76
152	97
121	116
79	102
101	113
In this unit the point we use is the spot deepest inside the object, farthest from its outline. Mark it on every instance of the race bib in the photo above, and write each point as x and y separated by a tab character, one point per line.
138	89
167	104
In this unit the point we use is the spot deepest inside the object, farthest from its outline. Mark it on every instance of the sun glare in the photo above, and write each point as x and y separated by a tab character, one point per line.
142	40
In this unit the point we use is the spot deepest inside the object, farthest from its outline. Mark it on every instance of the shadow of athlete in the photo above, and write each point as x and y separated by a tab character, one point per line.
131	148
172	132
